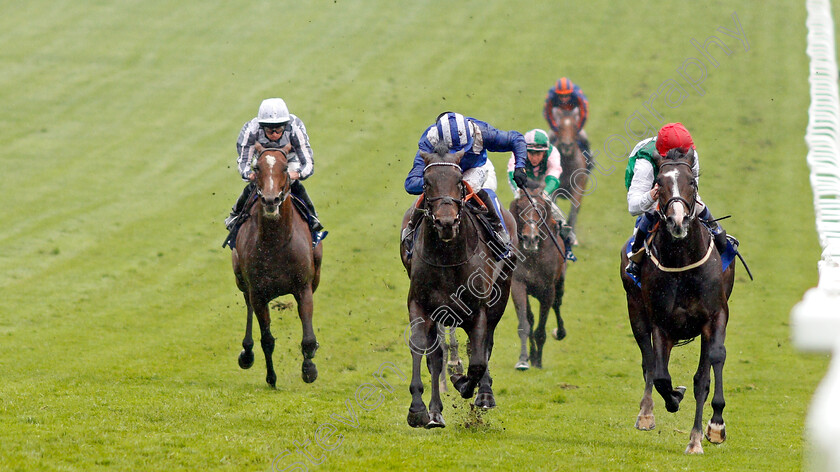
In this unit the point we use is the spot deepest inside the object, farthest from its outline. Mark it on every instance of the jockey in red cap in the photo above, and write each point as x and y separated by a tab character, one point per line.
642	192
567	96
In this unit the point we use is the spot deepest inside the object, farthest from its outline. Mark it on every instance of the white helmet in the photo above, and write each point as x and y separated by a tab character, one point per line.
273	111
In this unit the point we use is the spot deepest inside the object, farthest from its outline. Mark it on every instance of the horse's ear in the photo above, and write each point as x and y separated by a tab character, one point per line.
427	157
458	156
658	159
692	157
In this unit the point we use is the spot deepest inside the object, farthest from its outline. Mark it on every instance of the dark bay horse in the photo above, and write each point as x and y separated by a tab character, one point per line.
576	167
541	273
273	257
684	293
455	281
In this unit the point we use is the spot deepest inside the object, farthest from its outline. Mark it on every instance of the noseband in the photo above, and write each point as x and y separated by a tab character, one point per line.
689	206
286	191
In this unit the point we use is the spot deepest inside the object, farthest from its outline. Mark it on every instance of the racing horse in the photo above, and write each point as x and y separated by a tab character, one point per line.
683	293
541	273
274	256
576	166
455	281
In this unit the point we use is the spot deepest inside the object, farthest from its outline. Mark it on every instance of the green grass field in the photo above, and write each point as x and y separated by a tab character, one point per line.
120	322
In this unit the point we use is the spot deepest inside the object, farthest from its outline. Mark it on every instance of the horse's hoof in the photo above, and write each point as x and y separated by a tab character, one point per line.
271	379
558	334
417	419
246	359
308	371
435	421
677	396
695	445
716	433
522	365
460	382
485	400
645	423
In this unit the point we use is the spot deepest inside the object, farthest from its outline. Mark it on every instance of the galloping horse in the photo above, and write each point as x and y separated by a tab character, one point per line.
541	274
684	293
575	165
452	265
274	256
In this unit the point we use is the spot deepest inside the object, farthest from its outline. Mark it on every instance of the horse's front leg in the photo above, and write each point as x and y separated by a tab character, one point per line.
485	398
266	339
519	295
246	357
478	357
434	361
417	343
662	346
308	344
559	288
701	392
716	429
539	333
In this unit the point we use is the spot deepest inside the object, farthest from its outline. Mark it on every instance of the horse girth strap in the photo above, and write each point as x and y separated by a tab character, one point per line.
683	268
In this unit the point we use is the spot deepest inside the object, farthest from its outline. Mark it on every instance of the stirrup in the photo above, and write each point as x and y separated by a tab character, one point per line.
318	236
231	220
633	269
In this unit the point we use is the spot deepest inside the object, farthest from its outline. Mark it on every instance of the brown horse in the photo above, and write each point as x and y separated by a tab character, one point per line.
683	294
575	165
452	268
274	256
541	274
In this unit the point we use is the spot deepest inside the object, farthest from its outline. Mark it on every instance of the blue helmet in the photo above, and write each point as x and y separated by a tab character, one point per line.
455	130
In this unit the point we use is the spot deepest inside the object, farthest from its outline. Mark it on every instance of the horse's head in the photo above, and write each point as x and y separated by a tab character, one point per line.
529	220
677	191
443	190
272	177
567	129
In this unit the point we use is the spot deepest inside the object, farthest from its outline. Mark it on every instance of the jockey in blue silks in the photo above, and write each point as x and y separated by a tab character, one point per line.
475	138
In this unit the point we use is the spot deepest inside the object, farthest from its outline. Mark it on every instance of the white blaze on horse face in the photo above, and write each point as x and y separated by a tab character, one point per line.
270	160
679	210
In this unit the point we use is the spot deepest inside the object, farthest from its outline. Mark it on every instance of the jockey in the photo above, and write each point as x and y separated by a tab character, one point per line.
274	126
543	163
475	137
642	192
567	96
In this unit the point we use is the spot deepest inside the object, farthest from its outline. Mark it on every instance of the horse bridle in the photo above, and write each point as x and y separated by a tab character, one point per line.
689	206
446	198
535	222
286	191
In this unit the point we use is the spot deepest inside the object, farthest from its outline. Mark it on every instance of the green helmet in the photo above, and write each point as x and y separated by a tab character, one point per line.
536	140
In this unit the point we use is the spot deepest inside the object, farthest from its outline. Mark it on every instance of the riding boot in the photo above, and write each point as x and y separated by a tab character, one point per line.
239	206
407	236
717	230
565	231
494	216
637	253
299	191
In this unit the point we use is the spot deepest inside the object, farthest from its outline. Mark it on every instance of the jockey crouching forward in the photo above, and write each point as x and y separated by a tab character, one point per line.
567	96
543	168
642	192
475	138
275	127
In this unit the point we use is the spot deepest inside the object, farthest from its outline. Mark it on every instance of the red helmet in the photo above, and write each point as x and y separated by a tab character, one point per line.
673	136
564	86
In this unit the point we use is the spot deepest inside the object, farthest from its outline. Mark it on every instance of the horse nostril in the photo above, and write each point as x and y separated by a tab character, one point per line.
277	200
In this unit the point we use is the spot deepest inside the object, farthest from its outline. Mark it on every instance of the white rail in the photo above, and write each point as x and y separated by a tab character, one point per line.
815	320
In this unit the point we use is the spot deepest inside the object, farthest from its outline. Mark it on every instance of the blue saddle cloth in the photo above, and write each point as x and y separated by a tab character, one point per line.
726	258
